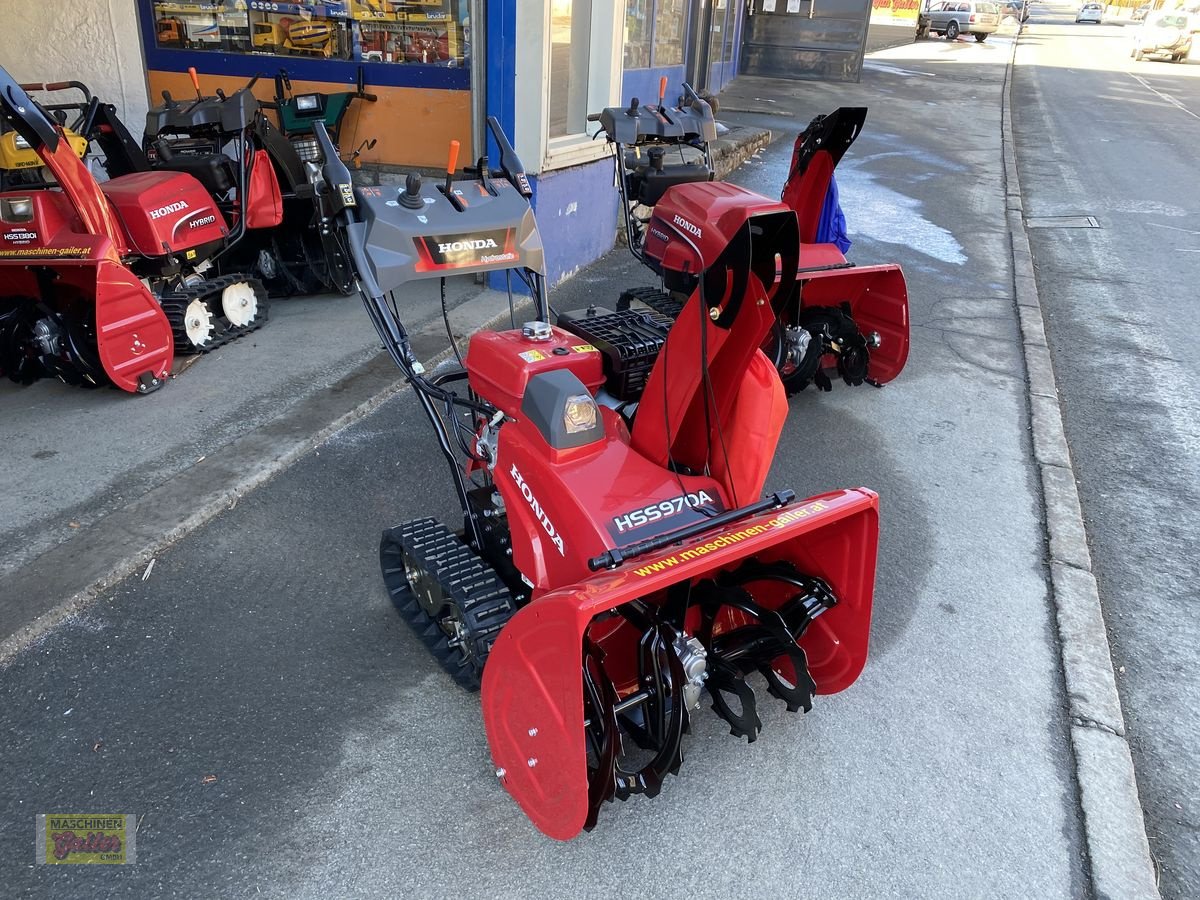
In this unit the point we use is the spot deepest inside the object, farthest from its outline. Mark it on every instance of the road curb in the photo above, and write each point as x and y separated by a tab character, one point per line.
66	579
1114	828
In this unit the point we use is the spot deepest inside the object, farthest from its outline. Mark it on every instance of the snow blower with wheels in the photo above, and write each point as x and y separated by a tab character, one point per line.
614	566
103	283
301	254
843	321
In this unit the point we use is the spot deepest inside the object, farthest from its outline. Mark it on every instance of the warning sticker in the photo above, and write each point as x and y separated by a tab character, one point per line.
584	348
532	355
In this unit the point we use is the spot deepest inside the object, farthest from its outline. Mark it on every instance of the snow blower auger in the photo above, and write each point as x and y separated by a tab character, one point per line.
613	567
103	283
844	320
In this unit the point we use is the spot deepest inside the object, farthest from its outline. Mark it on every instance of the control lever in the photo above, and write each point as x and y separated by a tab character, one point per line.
168	99
448	187
410	197
510	163
337	176
221	93
483	173
632	112
195	82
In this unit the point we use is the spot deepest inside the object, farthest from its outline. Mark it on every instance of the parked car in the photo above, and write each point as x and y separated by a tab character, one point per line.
1141	12
1018	9
954	17
1164	34
1090	12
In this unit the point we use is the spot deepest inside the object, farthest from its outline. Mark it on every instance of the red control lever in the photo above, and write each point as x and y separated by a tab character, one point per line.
195	82
662	90
451	165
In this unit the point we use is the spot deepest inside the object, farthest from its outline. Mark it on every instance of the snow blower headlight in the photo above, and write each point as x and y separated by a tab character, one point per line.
21	143
16	210
580	413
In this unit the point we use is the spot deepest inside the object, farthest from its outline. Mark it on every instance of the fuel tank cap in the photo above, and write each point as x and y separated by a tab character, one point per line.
536	331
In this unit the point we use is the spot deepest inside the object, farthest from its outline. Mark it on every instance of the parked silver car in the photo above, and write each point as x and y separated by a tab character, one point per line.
1090	12
1168	34
954	17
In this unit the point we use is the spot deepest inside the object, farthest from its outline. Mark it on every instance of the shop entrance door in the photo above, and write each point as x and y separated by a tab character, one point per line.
818	39
699	28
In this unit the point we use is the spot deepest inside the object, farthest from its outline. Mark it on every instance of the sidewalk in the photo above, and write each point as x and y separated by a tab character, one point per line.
269	659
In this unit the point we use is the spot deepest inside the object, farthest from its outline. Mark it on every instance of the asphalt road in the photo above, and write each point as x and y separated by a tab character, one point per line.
257	701
1101	135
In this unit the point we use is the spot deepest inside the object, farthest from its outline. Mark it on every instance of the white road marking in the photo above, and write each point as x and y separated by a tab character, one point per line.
1144	83
895	70
1173	227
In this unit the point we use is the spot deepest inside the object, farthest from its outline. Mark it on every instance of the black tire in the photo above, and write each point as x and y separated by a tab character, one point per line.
980	38
952	31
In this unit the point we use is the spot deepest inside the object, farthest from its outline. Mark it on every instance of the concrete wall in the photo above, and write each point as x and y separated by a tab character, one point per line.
93	41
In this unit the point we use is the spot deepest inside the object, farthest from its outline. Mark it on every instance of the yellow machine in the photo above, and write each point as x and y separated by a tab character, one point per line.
16	154
267	36
310	37
290	36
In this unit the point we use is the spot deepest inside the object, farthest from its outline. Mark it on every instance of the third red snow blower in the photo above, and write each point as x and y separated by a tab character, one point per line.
615	565
842	320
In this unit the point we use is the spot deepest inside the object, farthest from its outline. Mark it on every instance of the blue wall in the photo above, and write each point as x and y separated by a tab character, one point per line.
576	212
643	84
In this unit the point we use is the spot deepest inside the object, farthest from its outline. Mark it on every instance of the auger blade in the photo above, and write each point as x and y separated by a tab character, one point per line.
579	672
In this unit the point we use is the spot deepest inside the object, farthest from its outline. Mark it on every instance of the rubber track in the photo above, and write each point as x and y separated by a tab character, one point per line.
175	304
659	301
471	584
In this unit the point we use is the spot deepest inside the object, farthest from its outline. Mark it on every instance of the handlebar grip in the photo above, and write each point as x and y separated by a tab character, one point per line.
33	86
370	98
452	162
593	117
58	85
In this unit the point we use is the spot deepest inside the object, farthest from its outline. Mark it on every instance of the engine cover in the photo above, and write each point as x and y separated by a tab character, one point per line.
165	212
693	223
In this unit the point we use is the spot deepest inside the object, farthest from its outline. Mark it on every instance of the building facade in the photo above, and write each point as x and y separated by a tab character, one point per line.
438	67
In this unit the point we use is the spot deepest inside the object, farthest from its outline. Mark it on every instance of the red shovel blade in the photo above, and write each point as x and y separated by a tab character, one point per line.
533	704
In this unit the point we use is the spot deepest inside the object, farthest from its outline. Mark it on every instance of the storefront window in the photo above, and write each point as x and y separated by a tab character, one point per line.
717	35
570	29
425	32
639	15
668	33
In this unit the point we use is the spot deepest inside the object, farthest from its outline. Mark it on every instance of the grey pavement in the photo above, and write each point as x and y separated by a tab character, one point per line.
262	649
1101	135
73	456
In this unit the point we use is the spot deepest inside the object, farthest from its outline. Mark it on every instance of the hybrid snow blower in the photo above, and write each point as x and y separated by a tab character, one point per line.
618	559
102	282
842	321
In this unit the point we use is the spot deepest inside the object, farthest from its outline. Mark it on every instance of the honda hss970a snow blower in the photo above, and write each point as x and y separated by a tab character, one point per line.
612	568
102	283
842	320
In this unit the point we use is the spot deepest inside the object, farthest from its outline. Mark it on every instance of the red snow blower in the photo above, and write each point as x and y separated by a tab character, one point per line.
618	562
839	320
103	282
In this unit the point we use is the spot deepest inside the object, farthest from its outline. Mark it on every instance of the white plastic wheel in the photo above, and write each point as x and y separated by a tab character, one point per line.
198	323
240	304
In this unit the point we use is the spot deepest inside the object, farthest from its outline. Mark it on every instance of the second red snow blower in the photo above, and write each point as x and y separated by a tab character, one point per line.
617	562
842	321
101	282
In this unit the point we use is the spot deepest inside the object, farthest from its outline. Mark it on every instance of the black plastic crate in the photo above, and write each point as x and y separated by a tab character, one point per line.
629	341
